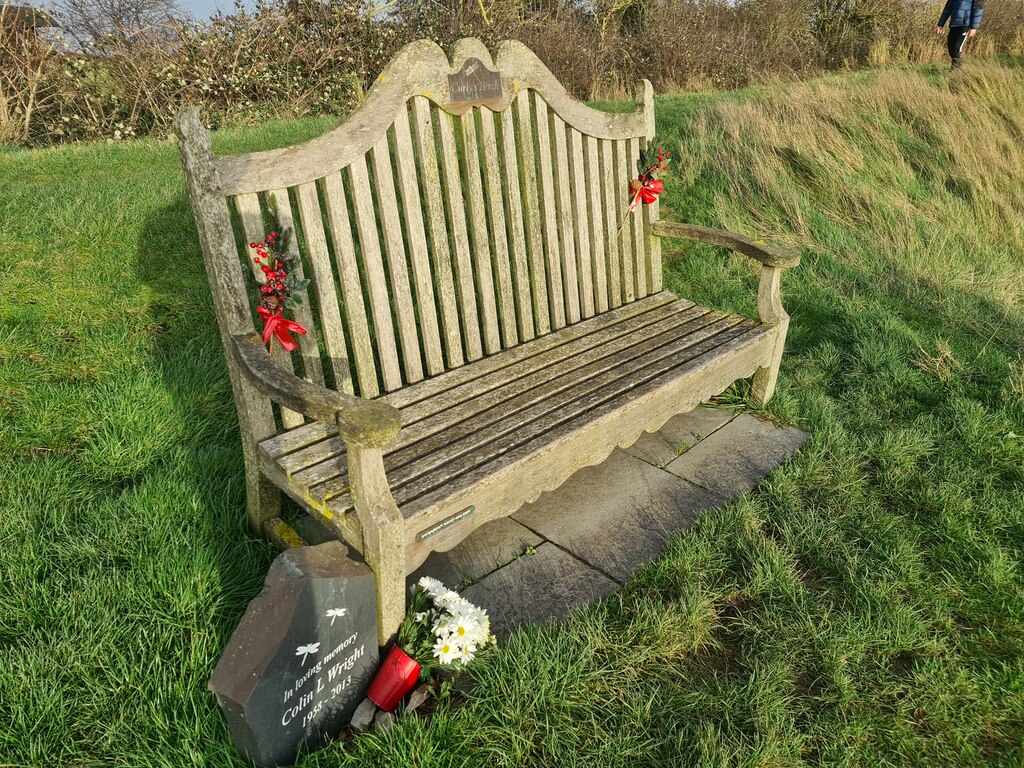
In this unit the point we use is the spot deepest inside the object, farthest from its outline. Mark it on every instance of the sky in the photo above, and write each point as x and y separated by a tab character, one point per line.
204	9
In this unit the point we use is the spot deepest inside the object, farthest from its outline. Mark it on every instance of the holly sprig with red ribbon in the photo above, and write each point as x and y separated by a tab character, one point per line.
280	289
646	187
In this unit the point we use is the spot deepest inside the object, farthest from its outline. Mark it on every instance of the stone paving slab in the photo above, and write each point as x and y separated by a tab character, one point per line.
536	588
616	516
682	431
486	549
734	458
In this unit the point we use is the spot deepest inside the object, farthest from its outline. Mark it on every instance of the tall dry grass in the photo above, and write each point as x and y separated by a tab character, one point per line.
929	167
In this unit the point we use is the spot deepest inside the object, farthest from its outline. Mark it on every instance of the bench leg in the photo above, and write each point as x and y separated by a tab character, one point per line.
769	305
262	496
764	384
383	536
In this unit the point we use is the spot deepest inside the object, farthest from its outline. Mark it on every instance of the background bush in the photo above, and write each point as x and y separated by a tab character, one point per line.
292	58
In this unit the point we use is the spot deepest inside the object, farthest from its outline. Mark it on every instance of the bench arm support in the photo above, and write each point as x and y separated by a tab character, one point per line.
773	260
361	422
780	256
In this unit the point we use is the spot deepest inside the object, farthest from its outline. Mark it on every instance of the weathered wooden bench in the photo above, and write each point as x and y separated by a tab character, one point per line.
478	329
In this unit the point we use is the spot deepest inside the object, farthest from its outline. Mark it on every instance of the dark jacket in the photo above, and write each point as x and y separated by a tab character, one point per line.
962	13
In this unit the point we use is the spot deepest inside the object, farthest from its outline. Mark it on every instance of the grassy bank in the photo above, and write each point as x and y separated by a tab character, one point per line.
863	607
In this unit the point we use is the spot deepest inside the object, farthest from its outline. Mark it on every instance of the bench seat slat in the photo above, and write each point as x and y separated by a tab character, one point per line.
455	440
571	339
515	450
462	402
413	481
435	440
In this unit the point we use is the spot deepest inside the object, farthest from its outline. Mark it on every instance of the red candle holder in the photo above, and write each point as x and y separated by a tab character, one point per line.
395	678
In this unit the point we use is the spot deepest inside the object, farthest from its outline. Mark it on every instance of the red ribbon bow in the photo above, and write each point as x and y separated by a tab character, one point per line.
275	324
647	192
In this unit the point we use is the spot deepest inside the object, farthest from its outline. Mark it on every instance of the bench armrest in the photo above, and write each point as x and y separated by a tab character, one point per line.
783	257
362	422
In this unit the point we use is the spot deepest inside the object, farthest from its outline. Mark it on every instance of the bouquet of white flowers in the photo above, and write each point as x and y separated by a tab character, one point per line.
458	628
441	629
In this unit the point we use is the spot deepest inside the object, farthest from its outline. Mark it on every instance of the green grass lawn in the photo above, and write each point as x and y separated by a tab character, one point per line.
864	607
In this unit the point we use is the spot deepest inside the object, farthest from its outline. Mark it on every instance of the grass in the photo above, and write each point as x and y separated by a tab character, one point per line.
863	607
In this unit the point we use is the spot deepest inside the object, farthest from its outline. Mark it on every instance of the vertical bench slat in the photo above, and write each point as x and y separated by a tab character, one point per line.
598	242
581	225
636	230
481	245
416	240
499	236
516	225
442	262
312	367
398	269
323	283
351	286
565	220
611	222
623	173
460	231
254	230
652	245
556	295
376	280
531	214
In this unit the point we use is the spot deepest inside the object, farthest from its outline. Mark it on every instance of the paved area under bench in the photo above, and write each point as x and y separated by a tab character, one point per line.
581	542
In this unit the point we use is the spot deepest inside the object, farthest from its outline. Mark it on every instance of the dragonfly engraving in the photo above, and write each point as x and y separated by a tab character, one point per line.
305	650
336	613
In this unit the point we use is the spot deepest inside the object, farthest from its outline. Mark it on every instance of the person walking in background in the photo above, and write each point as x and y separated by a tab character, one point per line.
964	18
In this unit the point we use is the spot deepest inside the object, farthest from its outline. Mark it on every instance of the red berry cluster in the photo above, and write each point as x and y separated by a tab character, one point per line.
661	163
274	291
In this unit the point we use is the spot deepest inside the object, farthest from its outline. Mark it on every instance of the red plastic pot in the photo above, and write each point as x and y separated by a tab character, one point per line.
395	678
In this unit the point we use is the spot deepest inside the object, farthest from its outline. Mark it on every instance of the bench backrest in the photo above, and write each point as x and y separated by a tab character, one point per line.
463	208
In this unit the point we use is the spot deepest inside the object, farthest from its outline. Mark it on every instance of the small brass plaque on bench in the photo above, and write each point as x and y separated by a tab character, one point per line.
448	521
472	86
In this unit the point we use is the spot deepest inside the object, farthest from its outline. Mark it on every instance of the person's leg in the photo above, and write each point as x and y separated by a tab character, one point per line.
957	38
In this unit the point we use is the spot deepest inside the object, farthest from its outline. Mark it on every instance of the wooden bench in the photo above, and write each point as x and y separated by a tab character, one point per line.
478	330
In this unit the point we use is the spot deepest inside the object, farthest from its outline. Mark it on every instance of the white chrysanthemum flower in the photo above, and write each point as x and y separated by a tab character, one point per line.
443	625
433	587
420	617
464	629
445	651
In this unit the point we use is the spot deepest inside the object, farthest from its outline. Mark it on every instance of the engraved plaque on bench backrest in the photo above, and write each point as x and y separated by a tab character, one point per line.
474	85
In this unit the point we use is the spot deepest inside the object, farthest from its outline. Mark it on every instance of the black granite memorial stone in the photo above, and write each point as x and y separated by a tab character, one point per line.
302	657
